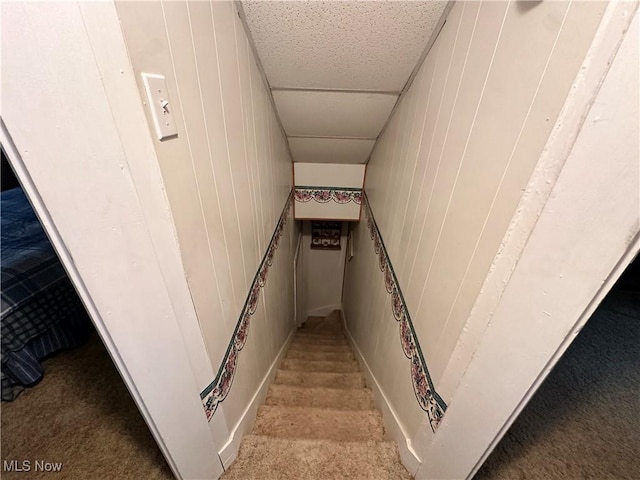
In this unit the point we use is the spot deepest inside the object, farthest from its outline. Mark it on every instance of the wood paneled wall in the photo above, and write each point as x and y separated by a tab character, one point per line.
446	175
227	175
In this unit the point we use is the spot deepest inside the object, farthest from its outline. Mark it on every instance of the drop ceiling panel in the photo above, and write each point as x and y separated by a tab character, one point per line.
333	114
330	150
341	45
328	175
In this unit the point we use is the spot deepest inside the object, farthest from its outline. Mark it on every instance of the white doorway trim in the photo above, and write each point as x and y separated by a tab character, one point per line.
83	156
65	258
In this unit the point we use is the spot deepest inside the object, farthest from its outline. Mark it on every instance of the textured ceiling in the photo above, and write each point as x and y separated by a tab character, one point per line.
351	46
347	45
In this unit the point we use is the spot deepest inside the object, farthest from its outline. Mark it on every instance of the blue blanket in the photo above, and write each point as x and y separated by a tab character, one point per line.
41	312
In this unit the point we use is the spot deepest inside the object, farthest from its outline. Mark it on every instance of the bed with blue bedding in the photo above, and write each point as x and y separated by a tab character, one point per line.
41	311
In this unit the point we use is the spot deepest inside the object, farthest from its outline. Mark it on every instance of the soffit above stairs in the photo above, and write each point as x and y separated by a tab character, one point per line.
336	69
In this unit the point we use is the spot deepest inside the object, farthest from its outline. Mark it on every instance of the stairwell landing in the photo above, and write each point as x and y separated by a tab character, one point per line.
319	420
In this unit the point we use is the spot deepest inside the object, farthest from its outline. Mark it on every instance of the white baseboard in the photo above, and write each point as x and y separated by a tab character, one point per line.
229	451
393	427
324	311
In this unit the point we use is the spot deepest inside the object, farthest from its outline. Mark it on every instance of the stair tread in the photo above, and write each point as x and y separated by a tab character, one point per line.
320	397
339	339
334	332
320	379
319	340
321	356
320	365
319	423
261	457
328	348
327	332
320	324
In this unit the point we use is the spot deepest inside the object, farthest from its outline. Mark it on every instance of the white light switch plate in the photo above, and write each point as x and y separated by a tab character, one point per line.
161	108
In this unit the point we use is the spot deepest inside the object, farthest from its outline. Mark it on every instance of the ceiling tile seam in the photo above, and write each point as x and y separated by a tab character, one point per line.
265	80
331	137
436	32
394	93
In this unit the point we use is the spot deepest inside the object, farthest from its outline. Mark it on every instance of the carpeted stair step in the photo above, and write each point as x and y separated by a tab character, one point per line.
310	347
319	366
330	323
320	397
261	457
319	423
314	320
320	356
320	336
319	339
337	332
325	329
320	379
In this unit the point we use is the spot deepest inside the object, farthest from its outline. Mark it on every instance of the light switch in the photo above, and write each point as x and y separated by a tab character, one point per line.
160	104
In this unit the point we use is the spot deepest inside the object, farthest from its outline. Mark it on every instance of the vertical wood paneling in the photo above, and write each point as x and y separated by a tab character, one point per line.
254	89
198	113
227	175
447	38
447	174
244	77
148	33
229	96
200	26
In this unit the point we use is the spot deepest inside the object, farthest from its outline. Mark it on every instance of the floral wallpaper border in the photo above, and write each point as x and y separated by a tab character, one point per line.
217	390
427	397
327	194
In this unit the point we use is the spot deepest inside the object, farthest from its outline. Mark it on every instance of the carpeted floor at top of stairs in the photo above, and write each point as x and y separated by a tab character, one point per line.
319	420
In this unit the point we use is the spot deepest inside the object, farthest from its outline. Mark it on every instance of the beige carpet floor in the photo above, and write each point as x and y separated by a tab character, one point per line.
584	421
319	421
81	415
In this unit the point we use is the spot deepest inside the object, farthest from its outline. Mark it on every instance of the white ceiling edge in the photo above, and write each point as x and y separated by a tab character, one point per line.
329	175
333	114
331	90
331	150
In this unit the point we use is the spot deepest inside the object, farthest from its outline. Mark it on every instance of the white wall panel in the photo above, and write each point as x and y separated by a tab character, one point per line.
330	150
348	45
323	272
327	211
227	176
577	246
328	175
333	114
447	174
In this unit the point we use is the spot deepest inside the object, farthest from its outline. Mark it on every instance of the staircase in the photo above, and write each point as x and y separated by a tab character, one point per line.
319	420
